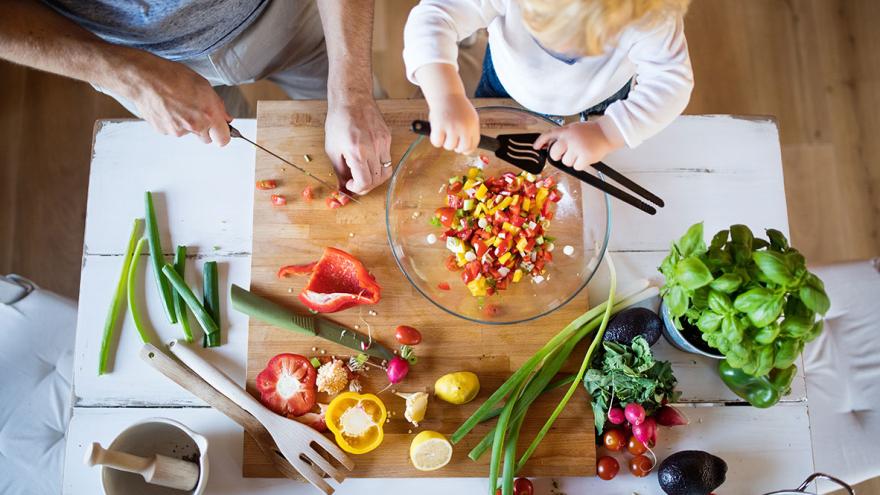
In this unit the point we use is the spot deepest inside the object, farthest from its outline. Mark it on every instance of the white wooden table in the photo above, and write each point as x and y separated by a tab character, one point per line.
720	169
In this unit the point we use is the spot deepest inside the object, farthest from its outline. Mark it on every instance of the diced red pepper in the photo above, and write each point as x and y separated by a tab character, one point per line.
339	281
454	188
514	211
471	270
555	195
480	248
446	216
278	200
443	286
266	184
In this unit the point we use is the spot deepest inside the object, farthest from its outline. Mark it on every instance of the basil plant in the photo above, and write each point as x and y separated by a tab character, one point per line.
752	299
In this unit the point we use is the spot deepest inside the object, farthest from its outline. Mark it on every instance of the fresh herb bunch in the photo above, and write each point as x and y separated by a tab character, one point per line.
629	373
752	299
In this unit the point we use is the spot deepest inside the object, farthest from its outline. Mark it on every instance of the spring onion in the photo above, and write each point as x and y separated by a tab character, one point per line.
212	302
179	303
202	316
115	304
158	258
132	300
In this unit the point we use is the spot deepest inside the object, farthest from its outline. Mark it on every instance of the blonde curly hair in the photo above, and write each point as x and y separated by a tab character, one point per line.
588	27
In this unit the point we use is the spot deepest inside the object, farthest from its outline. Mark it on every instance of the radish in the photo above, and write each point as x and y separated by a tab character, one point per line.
397	369
616	416
646	432
634	413
670	416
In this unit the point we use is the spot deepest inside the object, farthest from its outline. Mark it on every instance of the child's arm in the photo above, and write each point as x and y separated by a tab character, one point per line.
664	80
431	37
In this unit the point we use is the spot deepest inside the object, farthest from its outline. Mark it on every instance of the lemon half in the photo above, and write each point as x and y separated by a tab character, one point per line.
429	451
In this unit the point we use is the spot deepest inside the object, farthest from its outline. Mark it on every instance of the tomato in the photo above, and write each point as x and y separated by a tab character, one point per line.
471	270
287	385
454	188
640	466
452	263
607	467
308	194
278	200
453	201
443	286
491	309
446	216
484	159
555	195
265	185
407	335
523	486
635	447
614	440
332	203
480	248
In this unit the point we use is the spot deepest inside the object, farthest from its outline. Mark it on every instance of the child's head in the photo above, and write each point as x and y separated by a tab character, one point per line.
588	27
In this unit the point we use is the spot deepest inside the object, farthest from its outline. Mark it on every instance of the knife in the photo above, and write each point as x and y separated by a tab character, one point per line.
237	134
279	316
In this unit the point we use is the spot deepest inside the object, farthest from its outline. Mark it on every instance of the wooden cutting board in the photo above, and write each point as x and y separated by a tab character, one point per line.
298	233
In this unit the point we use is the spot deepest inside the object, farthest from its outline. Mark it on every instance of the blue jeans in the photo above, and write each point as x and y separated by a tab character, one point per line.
490	87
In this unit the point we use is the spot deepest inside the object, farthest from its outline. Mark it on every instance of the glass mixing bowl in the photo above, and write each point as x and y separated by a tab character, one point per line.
582	221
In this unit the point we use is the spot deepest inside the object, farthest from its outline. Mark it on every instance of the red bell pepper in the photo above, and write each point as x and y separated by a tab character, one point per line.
338	281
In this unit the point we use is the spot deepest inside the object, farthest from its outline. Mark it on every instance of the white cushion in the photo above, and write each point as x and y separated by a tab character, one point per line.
843	375
36	372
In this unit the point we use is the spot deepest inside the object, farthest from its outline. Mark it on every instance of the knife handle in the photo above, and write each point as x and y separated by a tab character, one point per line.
269	312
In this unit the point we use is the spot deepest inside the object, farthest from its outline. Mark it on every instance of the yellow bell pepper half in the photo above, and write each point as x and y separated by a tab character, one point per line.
356	421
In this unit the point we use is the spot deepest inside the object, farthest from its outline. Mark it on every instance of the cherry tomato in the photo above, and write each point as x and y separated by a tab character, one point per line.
446	216
443	286
308	194
278	200
523	486
407	335
607	467
614	440
635	447
265	185
640	466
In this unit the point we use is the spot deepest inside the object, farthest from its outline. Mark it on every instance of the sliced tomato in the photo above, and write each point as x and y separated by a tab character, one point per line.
278	200
266	184
287	385
480	248
308	194
443	286
471	270
446	216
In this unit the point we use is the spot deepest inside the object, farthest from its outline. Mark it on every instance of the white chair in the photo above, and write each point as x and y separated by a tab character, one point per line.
843	375
37	331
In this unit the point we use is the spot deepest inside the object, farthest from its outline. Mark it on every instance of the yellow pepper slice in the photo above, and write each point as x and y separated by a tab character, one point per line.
541	197
356	421
482	191
477	287
473	172
517	275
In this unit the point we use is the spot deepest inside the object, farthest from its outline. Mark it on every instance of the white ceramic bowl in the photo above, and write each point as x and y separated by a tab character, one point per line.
156	436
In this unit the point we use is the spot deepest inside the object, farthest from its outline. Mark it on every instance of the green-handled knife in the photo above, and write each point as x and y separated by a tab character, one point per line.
279	316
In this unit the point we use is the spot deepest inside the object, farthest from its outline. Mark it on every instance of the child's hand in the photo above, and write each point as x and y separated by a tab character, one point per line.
454	121
454	124
577	145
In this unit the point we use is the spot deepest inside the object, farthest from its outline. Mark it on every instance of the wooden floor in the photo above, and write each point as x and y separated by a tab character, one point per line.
812	64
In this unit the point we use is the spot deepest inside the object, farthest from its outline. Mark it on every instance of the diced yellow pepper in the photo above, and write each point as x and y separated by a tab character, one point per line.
468	184
527	203
510	228
460	259
491	241
478	211
515	200
504	257
541	197
517	275
477	287
504	203
497	241
473	172
481	192
522	244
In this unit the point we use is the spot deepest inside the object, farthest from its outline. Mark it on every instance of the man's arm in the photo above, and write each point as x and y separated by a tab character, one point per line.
358	141
173	98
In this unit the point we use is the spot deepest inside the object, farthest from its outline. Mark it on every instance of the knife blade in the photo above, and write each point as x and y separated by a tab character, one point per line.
279	316
237	134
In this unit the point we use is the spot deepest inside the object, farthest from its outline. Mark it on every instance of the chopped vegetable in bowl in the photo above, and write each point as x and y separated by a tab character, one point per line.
496	228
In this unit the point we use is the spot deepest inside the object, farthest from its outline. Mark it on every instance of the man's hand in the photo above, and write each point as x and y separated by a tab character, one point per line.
577	145
359	144
175	100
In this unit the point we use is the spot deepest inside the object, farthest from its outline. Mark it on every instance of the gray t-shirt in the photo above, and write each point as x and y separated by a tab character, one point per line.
171	29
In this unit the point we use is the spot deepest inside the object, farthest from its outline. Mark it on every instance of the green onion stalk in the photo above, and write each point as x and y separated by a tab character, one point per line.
179	303
132	300
202	316
118	295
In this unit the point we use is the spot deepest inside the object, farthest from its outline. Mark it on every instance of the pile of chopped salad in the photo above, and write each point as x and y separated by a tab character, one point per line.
495	227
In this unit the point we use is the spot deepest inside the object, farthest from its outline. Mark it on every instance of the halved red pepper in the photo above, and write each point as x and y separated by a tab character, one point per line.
338	281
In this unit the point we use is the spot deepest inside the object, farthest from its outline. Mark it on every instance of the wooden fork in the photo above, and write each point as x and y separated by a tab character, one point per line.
184	377
294	440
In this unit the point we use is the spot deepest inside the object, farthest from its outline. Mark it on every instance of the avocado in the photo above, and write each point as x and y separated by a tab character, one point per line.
691	472
631	322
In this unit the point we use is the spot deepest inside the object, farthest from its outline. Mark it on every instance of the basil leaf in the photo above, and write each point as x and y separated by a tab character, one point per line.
677	300
761	305
709	322
719	302
727	283
768	334
795	326
815	331
731	329
700	298
758	243
795	261
787	351
815	299
692	274
795	307
718	240
777	240
813	281
764	357
691	243
741	235
774	266
752	299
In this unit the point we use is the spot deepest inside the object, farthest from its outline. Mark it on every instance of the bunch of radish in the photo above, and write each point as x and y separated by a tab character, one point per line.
642	437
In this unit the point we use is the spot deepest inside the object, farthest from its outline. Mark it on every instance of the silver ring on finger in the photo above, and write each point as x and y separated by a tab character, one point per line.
386	164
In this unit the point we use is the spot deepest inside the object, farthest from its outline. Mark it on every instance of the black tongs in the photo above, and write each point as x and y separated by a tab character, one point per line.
517	150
